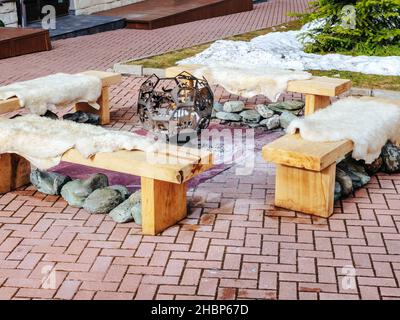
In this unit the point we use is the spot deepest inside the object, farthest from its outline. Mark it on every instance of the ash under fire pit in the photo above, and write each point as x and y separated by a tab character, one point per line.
177	106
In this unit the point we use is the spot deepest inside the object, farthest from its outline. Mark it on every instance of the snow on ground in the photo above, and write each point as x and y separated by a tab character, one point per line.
285	50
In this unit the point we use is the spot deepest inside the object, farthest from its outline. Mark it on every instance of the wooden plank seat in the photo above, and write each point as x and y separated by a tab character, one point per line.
108	79
164	176
318	91
305	172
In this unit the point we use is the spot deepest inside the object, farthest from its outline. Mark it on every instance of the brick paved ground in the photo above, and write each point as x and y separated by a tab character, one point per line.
101	51
234	244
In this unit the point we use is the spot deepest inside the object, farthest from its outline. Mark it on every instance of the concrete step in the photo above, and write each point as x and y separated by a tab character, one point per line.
74	26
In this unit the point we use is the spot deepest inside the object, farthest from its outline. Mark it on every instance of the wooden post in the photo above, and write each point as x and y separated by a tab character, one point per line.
104	103
163	205
305	190
315	102
14	172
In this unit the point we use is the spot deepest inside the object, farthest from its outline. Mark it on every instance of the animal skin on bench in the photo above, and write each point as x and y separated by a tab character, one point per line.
317	90
108	79
164	175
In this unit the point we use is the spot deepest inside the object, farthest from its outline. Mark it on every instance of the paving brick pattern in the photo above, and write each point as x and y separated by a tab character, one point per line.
102	50
234	244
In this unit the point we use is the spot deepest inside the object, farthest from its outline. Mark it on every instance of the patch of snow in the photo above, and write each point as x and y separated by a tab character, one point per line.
285	50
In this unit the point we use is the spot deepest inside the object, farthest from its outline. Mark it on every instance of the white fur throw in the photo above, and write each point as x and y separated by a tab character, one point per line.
249	82
59	89
43	141
368	122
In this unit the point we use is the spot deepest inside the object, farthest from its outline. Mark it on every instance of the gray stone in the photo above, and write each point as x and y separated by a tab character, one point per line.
48	182
137	214
286	118
121	189
233	106
264	111
287	105
355	171
345	182
374	167
386	94
227	116
338	191
253	125
51	115
129	210
391	158
218	107
250	116
102	200
83	117
360	92
136	201
122	213
75	192
271	123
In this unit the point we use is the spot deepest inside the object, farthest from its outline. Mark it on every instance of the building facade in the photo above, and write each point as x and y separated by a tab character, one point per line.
91	6
8	14
31	9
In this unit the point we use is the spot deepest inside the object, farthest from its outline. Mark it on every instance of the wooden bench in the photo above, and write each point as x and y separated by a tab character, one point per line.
305	173
318	91
108	79
164	176
306	170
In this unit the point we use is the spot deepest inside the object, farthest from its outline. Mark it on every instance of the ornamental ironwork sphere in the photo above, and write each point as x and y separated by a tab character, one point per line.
174	106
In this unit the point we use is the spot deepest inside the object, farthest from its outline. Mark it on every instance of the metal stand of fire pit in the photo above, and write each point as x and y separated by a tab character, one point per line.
174	107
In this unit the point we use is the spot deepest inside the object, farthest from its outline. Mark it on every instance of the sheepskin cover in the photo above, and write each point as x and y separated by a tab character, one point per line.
58	90
43	141
368	122
249	82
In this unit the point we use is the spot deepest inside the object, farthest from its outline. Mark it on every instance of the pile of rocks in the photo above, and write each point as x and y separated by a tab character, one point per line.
79	117
94	194
271	116
352	175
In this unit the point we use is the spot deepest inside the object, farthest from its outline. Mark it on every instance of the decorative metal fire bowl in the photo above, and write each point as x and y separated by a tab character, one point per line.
174	106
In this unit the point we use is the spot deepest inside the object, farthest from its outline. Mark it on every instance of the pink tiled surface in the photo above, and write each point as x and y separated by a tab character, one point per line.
234	244
101	51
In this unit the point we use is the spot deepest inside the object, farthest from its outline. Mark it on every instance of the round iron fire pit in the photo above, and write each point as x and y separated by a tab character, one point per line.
175	106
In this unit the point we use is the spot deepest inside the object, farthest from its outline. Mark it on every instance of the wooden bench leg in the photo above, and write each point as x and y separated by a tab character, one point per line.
306	191
14	172
104	103
163	205
315	102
